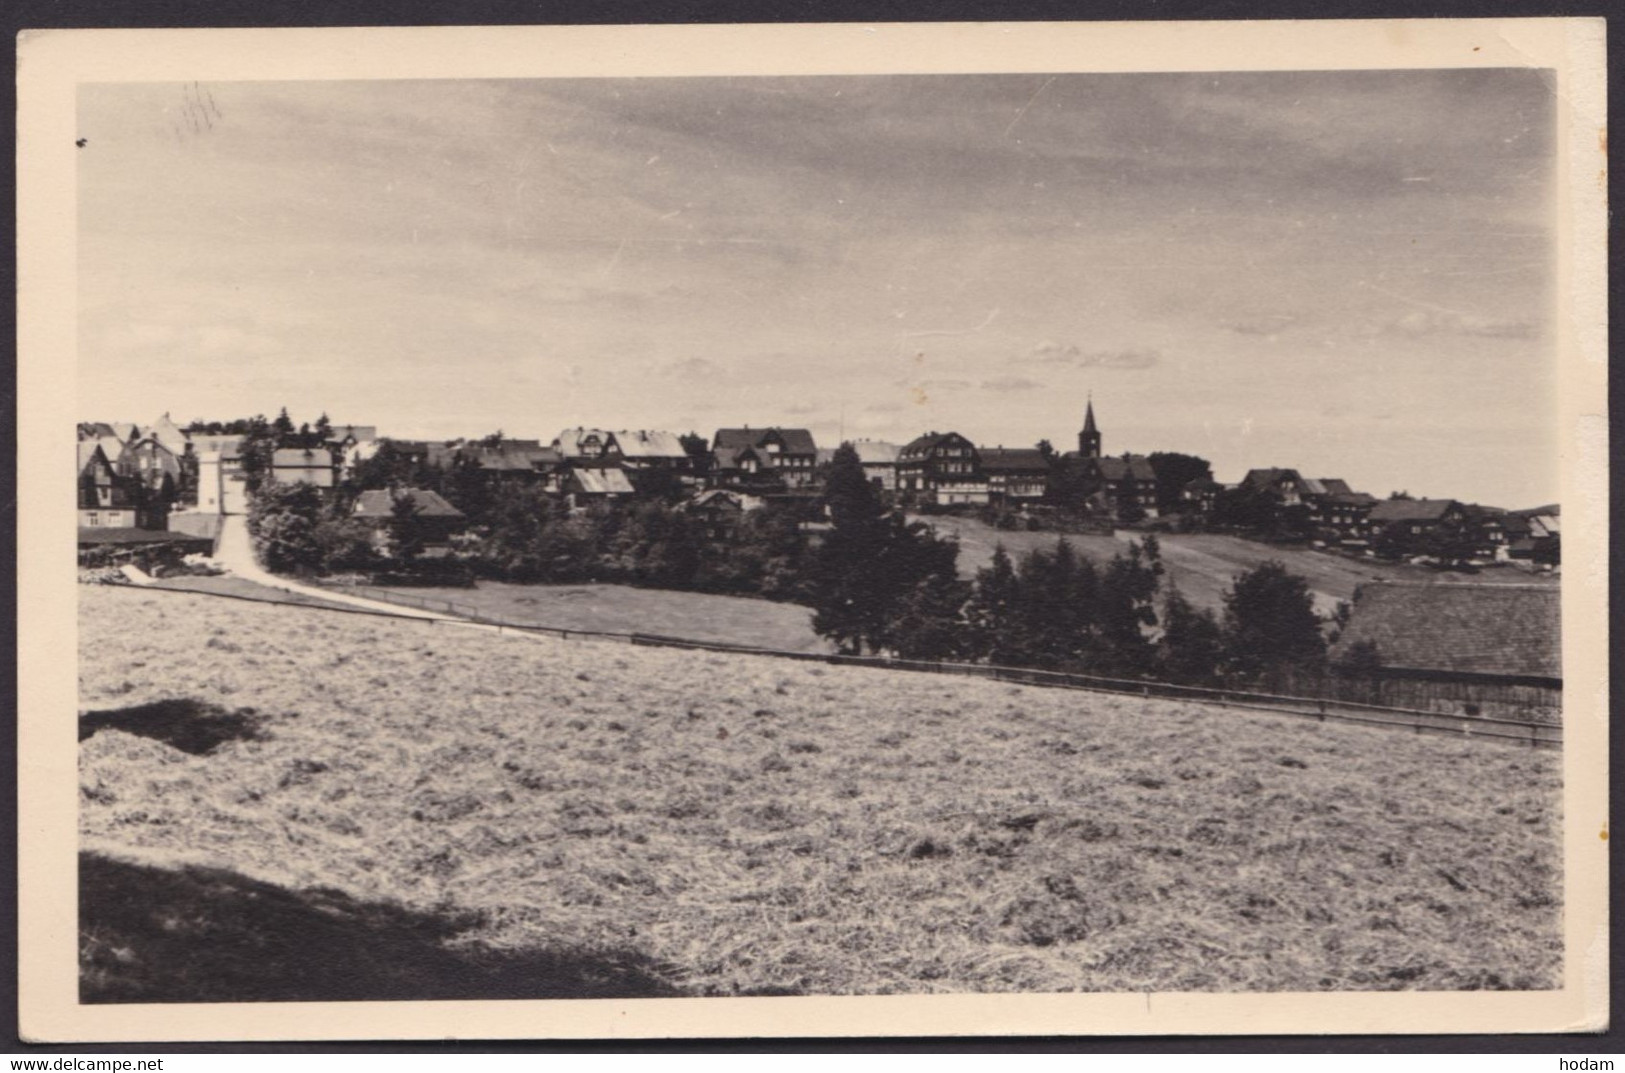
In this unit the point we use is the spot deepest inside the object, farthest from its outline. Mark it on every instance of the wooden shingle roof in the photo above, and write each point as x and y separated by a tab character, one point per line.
1511	630
797	441
1411	510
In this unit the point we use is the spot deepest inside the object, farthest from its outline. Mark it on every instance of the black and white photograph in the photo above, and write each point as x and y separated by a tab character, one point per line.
899	533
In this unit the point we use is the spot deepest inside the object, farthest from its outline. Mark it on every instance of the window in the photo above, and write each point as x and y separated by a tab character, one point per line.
94	519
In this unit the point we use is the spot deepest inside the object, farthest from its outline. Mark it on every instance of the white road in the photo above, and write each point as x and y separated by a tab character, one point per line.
236	552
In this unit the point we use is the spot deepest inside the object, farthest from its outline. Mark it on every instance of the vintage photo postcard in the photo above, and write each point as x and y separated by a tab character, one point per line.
813	531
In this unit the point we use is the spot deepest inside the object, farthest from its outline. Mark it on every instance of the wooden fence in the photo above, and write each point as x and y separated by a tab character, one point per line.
1323	709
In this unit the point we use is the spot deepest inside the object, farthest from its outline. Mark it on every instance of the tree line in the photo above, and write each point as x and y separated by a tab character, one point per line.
881	585
877	582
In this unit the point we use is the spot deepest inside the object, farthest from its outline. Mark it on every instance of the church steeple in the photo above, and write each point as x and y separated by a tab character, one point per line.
1089	438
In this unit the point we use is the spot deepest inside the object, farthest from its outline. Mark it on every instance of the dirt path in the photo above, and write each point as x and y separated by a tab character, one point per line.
236	552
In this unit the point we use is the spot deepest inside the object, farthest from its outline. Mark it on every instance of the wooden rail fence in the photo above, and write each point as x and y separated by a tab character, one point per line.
1323	709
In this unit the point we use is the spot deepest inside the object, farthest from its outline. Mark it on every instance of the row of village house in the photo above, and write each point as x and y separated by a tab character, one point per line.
164	478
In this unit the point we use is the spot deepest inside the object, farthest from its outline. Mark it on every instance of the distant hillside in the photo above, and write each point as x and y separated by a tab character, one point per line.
1203	564
282	802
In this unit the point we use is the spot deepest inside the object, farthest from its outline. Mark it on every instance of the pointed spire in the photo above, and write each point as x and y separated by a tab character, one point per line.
1089	415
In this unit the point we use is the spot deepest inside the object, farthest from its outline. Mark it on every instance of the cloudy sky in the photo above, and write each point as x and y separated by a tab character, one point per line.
1347	273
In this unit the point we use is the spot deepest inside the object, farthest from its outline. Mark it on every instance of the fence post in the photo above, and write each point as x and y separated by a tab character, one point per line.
1323	710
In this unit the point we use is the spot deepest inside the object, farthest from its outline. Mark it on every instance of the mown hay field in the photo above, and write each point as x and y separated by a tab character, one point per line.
695	616
721	824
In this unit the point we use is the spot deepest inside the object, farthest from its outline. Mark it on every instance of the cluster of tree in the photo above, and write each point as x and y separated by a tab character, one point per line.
530	536
296	530
882	585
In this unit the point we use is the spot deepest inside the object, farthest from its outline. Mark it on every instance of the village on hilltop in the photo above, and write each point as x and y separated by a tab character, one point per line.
157	483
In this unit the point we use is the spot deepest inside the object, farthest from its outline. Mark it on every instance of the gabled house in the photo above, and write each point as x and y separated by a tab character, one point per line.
720	510
1535	534
652	449
523	461
304	465
1126	484
1346	517
879	461
747	469
586	443
1406	524
1487	527
1015	473
790	453
943	468
170	435
1199	496
437	519
584	482
162	473
107	498
1284	484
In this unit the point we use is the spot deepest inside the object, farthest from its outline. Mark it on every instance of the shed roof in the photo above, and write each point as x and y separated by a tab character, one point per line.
1509	630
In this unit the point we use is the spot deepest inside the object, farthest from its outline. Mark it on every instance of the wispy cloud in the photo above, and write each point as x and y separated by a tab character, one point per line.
1010	383
1421	323
1052	353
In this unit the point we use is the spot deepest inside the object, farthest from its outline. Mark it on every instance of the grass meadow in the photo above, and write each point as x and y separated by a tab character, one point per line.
694	616
388	809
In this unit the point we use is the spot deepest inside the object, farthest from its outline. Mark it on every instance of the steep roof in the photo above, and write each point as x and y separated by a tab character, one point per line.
95	430
569	443
362	433
1013	460
606	481
650	443
1335	486
517	459
733	457
717	497
1411	510
1137	468
1269	477
169	434
921	446
380	503
1089	417
87	453
1481	629
797	441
